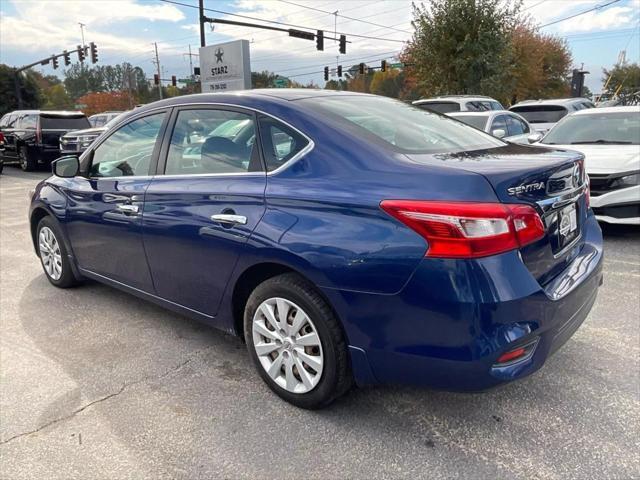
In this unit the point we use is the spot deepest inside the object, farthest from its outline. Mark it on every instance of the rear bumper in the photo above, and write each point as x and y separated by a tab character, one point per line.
454	318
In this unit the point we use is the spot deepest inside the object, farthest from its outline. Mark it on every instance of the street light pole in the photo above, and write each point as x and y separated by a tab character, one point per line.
159	76
201	20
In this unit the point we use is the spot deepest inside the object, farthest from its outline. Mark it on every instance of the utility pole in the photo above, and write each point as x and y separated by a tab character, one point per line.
191	55
82	25
335	26
158	66
201	20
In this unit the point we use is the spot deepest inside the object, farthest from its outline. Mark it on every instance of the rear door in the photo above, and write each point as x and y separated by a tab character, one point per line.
203	204
104	211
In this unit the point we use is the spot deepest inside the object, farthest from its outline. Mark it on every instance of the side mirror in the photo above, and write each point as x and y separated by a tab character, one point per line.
534	137
66	167
498	132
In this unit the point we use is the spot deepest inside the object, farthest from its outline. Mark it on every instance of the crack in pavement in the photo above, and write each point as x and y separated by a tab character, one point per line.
124	387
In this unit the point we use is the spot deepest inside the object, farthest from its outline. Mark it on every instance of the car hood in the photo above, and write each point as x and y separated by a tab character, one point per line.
86	131
606	159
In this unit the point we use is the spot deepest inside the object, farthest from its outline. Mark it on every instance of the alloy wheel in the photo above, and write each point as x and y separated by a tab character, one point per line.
288	345
50	253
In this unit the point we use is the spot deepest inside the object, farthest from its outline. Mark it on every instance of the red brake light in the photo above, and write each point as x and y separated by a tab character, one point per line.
468	230
1	137
512	355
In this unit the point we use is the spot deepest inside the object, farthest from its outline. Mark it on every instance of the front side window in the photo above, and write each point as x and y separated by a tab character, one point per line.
211	141
280	143
97	121
129	150
399	126
499	123
619	128
515	126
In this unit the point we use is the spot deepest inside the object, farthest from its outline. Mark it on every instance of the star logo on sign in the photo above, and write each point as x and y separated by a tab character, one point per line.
219	53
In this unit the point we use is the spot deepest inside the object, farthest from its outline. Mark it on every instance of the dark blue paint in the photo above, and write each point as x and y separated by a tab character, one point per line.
407	318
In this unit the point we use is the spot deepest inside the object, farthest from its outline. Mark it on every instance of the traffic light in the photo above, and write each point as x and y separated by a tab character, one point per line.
94	52
383	66
156	79
67	58
320	40
173	80
80	50
343	44
54	60
326	73
340	70
361	69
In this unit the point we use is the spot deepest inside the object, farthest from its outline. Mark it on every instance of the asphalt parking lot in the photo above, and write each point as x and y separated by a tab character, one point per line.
98	384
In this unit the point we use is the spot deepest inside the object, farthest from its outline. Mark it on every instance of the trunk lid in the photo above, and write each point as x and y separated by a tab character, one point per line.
552	181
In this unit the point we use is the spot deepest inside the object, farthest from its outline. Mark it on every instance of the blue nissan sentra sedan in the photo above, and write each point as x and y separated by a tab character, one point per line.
347	237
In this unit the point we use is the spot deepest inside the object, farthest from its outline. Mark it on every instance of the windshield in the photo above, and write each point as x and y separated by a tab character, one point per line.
406	128
541	113
440	107
605	128
477	121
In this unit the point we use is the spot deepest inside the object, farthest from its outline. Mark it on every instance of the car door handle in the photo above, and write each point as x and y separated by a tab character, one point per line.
229	219
127	208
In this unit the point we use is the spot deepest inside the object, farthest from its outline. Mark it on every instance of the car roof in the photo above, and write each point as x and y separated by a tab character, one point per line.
596	111
48	112
551	101
484	113
453	98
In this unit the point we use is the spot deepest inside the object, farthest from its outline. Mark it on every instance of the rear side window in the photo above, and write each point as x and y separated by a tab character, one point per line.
541	113
51	122
440	107
213	141
280	143
129	150
97	121
478	106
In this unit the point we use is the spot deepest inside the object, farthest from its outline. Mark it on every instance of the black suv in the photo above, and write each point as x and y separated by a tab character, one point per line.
32	137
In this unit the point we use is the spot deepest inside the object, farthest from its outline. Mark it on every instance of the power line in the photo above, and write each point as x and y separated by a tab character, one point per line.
533	6
276	22
322	71
597	7
344	16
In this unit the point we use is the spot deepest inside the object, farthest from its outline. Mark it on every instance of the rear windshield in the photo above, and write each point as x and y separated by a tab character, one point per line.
63	123
620	128
541	113
440	107
477	121
395	124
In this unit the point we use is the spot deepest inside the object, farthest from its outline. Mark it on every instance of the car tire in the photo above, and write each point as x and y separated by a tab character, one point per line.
53	254
27	161
330	376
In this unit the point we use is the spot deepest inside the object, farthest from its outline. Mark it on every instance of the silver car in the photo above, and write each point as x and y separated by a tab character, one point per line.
499	123
544	114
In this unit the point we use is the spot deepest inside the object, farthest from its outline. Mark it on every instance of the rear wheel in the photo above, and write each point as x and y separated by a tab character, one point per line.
296	343
53	254
27	160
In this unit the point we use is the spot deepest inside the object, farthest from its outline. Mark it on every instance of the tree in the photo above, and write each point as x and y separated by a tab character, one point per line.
622	79
80	80
262	79
97	102
387	83
540	66
462	47
56	98
30	91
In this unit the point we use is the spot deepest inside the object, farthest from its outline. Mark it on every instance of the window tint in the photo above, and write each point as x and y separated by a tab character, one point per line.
279	142
98	121
63	122
541	113
516	126
128	151
213	141
500	122
440	107
477	121
29	122
478	106
11	121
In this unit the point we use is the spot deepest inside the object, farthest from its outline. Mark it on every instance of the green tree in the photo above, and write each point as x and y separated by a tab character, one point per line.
387	83
262	79
57	98
30	90
80	80
622	79
463	46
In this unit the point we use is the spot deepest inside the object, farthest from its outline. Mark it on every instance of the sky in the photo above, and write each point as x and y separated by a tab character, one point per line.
125	30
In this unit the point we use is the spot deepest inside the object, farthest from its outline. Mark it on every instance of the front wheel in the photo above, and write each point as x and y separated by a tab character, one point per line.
53	254
26	159
296	343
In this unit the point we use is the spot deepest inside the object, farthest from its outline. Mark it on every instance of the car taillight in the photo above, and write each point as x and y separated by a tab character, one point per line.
468	230
1	137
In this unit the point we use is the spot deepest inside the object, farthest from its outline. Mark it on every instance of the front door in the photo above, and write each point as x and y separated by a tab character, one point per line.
200	211
104	210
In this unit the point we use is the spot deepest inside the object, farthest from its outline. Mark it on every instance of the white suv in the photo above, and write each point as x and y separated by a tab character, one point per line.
544	114
458	103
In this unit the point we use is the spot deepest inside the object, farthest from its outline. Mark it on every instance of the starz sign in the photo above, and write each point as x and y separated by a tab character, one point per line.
225	66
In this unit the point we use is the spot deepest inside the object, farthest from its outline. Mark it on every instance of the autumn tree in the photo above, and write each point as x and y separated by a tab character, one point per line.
388	83
103	101
540	66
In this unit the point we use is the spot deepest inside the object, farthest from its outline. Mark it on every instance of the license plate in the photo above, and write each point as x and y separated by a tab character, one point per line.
567	224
